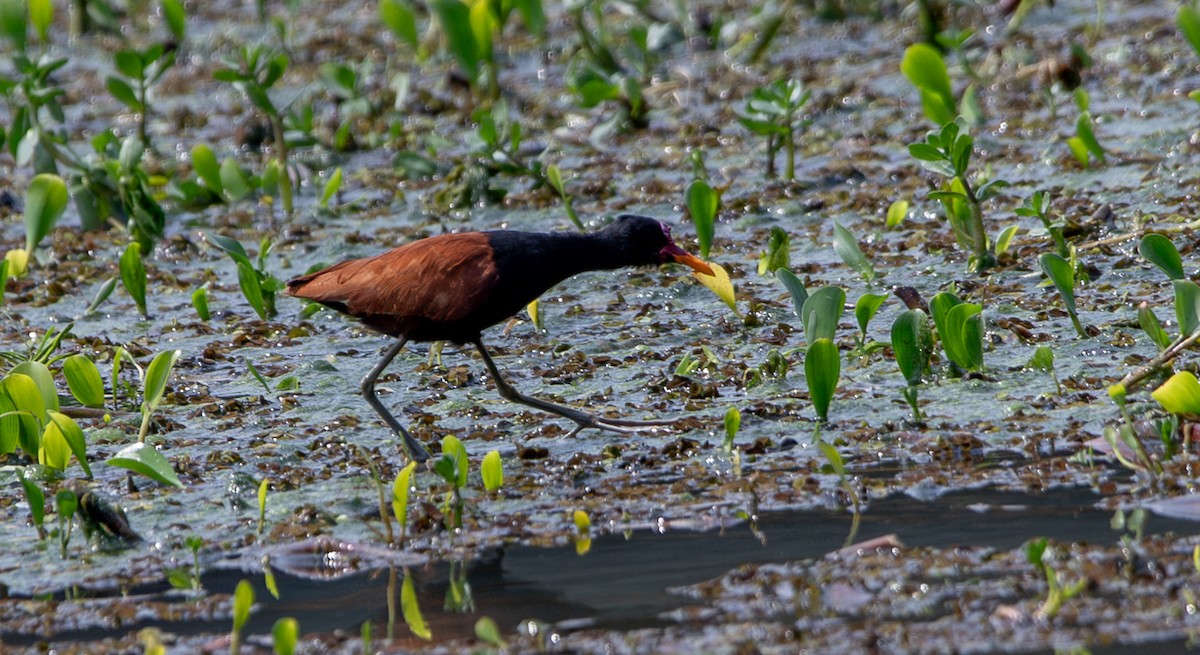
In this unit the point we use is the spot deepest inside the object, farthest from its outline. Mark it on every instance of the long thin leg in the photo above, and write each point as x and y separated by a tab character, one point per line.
413	447
582	419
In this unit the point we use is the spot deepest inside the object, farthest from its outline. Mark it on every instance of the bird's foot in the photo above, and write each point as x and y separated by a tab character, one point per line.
622	426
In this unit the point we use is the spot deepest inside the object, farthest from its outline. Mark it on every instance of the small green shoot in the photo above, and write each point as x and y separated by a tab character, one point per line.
896	214
1041	556
258	285
263	487
243	601
821	313
703	202
960	328
847	248
83	379
1043	360
733	423
822	368
1187	306
138	71
133	276
331	188
778	253
925	69
583	531
1084	146
144	459
200	302
554	178
401	488
65	504
155	383
912	345
487	632
772	111
37	502
1038	205
491	471
1180	395
45	202
285	633
1062	274
452	467
1161	251
1149	323
865	309
411	610
795	289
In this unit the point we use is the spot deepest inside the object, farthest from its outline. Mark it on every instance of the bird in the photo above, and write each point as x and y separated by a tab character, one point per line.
452	286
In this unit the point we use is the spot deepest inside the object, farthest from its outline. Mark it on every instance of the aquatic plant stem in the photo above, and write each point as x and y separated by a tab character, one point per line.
1172	351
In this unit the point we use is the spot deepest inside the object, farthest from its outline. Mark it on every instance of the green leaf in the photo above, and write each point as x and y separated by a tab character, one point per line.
702	204
200	302
21	395
243	601
795	288
411	610
133	275
121	90
1149	323
400	19
332	186
866	307
492	471
35	497
846	246
455	19
1180	395
1187	19
285	633
487	632
129	63
233	180
1004	239
157	375
778	254
400	491
231	247
1078	150
912	345
896	213
483	25
41	15
1187	306
54	451
204	162
102	293
1042	359
822	311
1083	130
70	432
83	379
924	68
45	202
733	422
252	289
835	458
144	459
822	367
1059	271
176	18
453	449
43	379
1161	251
926	153
964	344
532	13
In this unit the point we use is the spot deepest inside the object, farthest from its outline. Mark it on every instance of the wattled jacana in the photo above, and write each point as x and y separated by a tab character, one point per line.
451	287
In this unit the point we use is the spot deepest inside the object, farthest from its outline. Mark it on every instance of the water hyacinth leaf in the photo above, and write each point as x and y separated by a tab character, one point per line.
45	202
846	246
822	368
866	307
821	313
702	204
1060	273
252	289
912	344
400	491
204	162
157	375
83	379
10	424
233	180
964	341
795	288
411	610
22	397
1180	394
778	254
1086	136
924	67
332	186
285	633
1161	251
144	459
200	302
896	213
133	275
720	284
400	19
176	18
1150	325
43	380
53	450
1187	306
1187	19
492	471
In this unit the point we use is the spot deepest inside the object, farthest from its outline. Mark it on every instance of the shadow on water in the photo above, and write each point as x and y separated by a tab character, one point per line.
623	583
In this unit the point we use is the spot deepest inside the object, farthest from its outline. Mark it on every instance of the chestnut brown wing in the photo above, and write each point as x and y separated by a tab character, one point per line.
423	290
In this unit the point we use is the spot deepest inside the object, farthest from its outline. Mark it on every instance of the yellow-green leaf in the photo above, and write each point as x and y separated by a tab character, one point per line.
719	284
1180	394
411	610
83	379
492	471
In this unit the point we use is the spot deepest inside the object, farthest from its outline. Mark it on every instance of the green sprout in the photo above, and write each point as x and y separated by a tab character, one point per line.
847	248
137	72
960	329
772	111
912	345
1062	274
1041	556
1084	146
